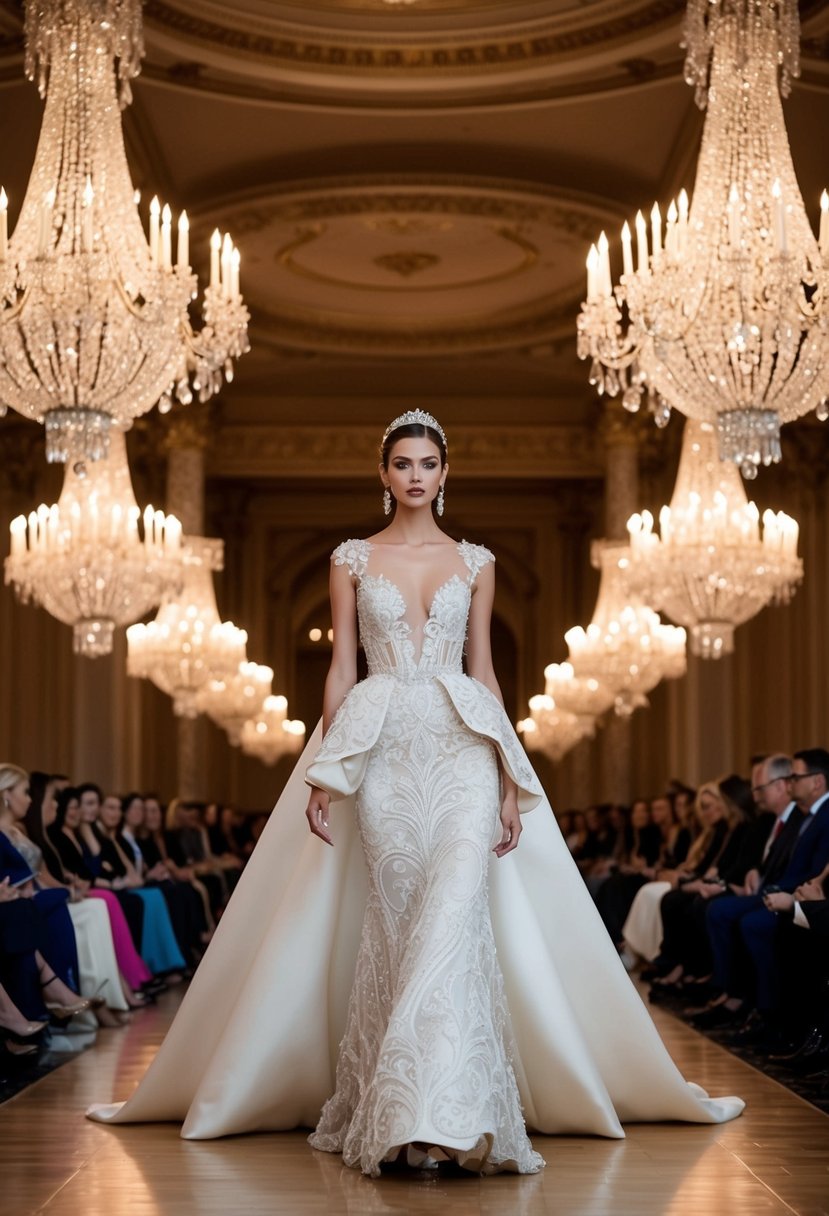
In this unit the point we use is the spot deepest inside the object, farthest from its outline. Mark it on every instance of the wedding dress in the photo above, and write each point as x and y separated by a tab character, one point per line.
431	988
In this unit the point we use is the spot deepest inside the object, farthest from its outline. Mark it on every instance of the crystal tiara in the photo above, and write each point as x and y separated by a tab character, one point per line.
415	416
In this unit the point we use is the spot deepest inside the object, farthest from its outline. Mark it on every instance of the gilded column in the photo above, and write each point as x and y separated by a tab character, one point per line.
186	443
619	432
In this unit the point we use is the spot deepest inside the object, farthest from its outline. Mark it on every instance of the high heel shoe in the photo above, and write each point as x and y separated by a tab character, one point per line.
22	1036
63	1013
17	1050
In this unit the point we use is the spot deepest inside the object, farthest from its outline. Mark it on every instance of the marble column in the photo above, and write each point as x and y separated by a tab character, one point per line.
619	433
186	442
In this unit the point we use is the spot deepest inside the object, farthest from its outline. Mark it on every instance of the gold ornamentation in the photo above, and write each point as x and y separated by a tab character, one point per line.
406	262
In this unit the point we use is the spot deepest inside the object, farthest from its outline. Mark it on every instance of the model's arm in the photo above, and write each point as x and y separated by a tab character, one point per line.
342	674
341	678
480	668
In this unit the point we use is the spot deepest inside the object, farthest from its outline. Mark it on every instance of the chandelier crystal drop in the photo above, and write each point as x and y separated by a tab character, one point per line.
94	313
232	701
625	647
587	697
91	559
552	730
723	314
271	734
187	645
711	570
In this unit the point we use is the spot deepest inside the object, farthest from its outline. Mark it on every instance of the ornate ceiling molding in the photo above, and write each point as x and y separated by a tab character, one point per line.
349	452
412	264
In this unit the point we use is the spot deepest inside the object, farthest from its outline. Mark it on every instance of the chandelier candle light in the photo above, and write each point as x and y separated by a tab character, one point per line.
552	730
94	320
85	560
232	701
625	647
271	734
710	569
584	696
723	314
187	645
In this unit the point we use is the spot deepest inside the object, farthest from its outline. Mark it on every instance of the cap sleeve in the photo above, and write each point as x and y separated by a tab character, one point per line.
354	554
476	557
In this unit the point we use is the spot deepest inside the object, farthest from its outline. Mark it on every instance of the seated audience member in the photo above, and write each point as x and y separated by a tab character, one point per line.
576	836
618	840
189	845
636	852
153	841
159	948
643	930
663	845
747	930
230	836
183	903
803	966
685	940
126	972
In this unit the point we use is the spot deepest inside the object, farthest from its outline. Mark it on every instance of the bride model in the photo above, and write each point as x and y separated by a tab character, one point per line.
430	975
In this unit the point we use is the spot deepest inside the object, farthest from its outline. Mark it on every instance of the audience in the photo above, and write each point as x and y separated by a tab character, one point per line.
100	908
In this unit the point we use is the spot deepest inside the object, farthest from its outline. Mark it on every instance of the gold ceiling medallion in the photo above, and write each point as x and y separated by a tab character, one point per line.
406	262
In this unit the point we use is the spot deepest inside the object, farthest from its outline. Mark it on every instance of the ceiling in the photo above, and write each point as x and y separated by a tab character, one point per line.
413	185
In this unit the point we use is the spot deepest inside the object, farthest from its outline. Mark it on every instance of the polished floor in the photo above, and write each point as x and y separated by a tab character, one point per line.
773	1160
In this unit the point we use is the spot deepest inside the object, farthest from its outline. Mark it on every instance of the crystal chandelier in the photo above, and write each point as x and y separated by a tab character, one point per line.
710	570
724	314
271	735
85	560
553	730
625	647
187	645
584	696
231	701
94	324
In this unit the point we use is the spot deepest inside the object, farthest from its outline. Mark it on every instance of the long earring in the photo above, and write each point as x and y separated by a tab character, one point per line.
441	501
387	501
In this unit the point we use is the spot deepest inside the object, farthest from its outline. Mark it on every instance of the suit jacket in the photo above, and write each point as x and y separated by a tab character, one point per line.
810	853
779	855
816	912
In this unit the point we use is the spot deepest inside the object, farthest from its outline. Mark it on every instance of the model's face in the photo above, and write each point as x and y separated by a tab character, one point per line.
90	805
110	813
49	808
414	475
72	818
17	800
134	814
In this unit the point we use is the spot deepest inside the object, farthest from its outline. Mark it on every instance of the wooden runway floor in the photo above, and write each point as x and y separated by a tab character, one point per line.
773	1160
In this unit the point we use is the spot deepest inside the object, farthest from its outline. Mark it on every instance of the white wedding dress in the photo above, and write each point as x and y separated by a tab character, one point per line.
426	989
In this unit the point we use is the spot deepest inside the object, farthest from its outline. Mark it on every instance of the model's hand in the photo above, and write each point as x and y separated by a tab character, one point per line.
511	828
317	814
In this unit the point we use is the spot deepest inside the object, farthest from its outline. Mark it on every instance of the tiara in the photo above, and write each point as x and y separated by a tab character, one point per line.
415	416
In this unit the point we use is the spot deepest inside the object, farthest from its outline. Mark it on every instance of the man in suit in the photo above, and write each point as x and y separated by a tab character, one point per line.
732	974
809	784
803	962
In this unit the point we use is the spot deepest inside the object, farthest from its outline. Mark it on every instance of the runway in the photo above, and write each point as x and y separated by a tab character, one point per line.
773	1160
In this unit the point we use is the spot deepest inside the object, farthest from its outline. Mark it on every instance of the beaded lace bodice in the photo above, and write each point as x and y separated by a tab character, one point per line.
385	632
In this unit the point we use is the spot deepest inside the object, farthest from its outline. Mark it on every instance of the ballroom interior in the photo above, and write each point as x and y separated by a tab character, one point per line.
413	189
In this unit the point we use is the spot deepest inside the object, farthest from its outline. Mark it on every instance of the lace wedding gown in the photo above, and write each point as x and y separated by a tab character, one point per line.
432	988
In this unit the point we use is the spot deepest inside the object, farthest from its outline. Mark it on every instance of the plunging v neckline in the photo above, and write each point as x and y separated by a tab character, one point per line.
384	578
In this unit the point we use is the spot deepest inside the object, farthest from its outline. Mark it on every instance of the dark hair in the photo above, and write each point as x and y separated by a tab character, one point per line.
130	798
33	821
412	430
816	760
90	786
737	791
64	797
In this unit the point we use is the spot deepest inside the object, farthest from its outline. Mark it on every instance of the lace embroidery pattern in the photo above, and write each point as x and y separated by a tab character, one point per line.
425	1054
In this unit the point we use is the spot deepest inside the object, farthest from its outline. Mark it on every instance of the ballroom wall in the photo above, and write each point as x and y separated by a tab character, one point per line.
88	719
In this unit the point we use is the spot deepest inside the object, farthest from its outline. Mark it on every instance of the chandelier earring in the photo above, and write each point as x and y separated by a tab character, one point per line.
441	501
387	501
